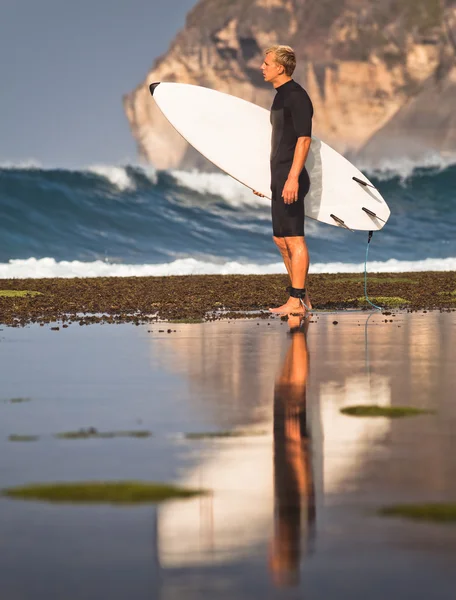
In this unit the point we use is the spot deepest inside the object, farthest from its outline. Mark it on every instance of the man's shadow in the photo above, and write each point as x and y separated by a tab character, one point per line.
294	494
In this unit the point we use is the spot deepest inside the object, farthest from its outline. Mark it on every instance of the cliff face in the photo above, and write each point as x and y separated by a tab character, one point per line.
378	73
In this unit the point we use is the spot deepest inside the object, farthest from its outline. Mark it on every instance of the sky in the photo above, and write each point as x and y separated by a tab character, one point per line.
65	65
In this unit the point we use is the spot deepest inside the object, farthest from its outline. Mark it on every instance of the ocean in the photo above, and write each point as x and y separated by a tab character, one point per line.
133	220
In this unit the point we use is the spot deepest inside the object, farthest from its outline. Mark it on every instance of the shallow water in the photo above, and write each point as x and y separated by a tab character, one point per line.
292	511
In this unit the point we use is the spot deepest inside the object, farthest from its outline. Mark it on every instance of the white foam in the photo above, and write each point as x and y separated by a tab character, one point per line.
404	168
219	184
390	266
148	171
230	189
235	194
49	267
25	165
116	175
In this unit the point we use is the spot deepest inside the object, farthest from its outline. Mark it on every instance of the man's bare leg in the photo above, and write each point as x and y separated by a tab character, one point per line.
301	268
283	249
296	258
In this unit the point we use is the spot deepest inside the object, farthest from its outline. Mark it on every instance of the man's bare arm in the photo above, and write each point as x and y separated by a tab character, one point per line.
290	190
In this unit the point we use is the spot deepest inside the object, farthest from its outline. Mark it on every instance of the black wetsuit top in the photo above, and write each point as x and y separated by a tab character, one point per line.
291	118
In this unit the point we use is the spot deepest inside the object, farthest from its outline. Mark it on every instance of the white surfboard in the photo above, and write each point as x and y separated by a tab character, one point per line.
235	135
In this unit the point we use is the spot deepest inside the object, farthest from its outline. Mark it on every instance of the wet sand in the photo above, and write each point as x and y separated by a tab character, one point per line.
136	299
293	511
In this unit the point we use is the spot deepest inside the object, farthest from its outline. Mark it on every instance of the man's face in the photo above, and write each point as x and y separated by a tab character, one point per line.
270	69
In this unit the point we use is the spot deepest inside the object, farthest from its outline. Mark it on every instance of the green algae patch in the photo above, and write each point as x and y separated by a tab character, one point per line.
83	434
392	412
186	321
23	438
435	513
222	434
18	400
393	301
101	492
18	293
448	296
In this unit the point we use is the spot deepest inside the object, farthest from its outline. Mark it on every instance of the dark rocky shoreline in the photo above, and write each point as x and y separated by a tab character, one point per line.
205	297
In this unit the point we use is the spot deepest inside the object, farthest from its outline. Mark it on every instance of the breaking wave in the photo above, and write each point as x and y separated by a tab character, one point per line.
131	220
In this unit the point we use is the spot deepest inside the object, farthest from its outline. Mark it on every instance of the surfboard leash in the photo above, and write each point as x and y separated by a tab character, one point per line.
298	293
369	237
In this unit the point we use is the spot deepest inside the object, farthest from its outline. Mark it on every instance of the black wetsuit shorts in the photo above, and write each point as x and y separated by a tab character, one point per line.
288	219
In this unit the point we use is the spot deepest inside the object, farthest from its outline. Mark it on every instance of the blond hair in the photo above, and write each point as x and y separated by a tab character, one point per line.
285	56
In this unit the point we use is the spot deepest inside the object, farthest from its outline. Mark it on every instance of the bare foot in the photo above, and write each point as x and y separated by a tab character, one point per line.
292	307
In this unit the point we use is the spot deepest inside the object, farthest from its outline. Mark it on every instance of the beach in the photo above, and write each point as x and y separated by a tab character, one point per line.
251	412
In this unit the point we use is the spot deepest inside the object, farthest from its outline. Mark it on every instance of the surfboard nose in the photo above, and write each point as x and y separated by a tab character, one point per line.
153	86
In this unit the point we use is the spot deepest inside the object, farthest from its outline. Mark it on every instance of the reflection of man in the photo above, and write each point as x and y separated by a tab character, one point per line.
293	482
291	119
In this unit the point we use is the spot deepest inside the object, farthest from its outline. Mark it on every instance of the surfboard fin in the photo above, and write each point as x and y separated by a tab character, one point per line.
364	183
372	214
340	222
153	86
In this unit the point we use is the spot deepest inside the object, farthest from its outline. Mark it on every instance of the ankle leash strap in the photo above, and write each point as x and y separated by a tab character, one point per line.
297	292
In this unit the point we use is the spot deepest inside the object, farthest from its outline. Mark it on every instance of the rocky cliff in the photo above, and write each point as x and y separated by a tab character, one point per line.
381	75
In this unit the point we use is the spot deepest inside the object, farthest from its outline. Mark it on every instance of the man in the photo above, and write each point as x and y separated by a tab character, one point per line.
291	119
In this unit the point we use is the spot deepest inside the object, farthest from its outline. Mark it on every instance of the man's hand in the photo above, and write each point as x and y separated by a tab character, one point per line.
290	190
258	194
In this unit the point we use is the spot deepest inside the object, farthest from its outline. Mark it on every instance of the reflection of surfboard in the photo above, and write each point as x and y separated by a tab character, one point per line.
236	516
235	135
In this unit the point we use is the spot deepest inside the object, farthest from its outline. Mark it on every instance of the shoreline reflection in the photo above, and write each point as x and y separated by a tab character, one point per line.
294	492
